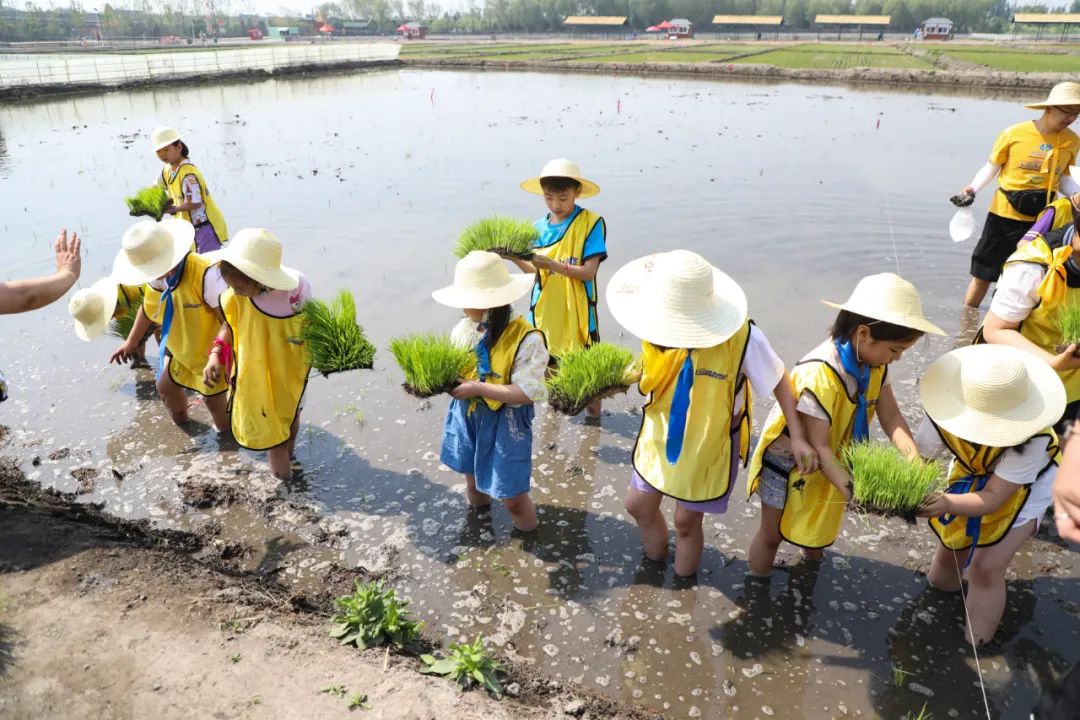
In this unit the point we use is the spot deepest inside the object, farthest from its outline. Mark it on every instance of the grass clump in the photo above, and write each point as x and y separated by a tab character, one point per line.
150	201
1068	322
886	482
126	311
432	363
334	341
467	663
506	236
583	375
373	615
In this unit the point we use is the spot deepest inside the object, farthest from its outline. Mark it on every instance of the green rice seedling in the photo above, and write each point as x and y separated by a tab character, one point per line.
886	482
600	370
373	615
121	325
334	341
506	236
467	663
923	715
1068	322
432	363
359	700
150	201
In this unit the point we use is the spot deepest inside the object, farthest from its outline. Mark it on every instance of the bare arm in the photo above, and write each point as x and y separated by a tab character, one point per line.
818	431
127	351
1067	490
24	295
585	272
893	423
801	449
972	504
1003	332
214	362
510	394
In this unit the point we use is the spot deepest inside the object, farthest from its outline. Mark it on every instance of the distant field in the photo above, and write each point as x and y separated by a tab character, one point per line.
1014	61
667	56
837	57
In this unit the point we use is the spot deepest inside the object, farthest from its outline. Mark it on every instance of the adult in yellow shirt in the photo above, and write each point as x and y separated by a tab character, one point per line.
1031	162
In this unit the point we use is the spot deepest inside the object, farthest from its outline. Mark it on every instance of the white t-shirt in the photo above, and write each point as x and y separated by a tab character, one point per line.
761	366
1017	291
1020	467
530	363
213	286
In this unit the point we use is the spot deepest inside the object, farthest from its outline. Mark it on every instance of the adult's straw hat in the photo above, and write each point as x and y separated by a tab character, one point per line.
890	298
91	308
150	249
1064	93
163	137
993	395
676	299
257	253
481	282
561	168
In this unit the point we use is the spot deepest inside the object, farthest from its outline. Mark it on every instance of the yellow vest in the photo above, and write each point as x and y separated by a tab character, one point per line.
127	297
270	372
704	469
978	461
814	508
174	185
502	356
1062	213
194	326
561	305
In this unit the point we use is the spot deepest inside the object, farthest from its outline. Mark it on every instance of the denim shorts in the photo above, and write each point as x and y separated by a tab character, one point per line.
494	446
773	485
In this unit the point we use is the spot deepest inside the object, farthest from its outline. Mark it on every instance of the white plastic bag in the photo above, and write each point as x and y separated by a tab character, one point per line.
962	225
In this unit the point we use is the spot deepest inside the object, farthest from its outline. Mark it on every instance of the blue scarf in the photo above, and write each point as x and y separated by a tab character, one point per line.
172	280
680	407
861	373
483	355
974	524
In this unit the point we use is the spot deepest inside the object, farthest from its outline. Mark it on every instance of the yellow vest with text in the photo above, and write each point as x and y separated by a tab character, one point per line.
562	306
814	508
194	326
502	357
979	460
174	185
704	469
270	372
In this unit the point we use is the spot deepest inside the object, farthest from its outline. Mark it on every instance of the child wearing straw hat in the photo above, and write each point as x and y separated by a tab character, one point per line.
840	385
260	348
1031	162
487	435
182	291
568	253
991	408
698	351
187	189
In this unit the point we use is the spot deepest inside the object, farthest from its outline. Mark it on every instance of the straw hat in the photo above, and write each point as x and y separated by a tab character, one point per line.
676	299
1065	93
257	253
481	282
150	249
91	308
993	395
890	298
561	168
164	136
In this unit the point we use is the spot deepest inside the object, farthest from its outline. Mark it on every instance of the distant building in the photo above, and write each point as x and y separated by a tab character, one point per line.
680	28
937	29
282	32
597	24
359	27
412	31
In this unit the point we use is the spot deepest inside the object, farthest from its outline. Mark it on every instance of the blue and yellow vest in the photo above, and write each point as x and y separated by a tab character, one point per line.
502	357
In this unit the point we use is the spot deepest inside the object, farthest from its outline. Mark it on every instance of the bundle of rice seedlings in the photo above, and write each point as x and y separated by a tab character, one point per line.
502	235
334	341
121	324
432	363
1068	322
150	201
600	370
887	483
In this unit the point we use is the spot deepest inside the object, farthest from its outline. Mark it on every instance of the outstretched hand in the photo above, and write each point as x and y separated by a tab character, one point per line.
68	254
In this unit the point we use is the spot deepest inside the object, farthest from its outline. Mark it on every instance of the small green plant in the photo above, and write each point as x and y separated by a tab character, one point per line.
466	664
338	691
899	676
373	615
583	375
150	201
235	657
359	700
1068	322
432	363
121	324
506	236
923	715
334	341
886	482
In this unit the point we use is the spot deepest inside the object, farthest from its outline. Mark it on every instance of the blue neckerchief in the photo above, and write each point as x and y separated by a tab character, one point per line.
974	524
680	407
171	281
861	373
483	355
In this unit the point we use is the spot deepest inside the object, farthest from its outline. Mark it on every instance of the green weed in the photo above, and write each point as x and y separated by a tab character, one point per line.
334	341
923	715
502	235
373	615
432	363
150	201
235	657
338	691
589	373
885	481
120	325
467	663
1068	322
899	676
359	700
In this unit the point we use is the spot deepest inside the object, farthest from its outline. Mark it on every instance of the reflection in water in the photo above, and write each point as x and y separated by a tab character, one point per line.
3	155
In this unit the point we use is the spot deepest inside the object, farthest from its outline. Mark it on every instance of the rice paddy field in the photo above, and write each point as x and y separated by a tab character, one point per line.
1011	60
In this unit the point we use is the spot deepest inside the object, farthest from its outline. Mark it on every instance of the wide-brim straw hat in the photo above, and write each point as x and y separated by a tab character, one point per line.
993	395
676	299
150	249
561	168
890	298
91	308
1064	93
163	137
482	282
257	253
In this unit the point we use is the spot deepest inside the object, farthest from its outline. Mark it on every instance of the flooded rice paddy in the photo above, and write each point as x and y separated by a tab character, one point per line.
797	191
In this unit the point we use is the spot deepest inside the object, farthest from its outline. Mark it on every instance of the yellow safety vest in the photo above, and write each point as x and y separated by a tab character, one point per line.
972	466
814	508
174	185
127	297
269	375
194	326
704	470
560	305
502	356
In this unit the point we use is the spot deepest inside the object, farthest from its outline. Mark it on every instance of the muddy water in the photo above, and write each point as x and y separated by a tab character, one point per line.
797	191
